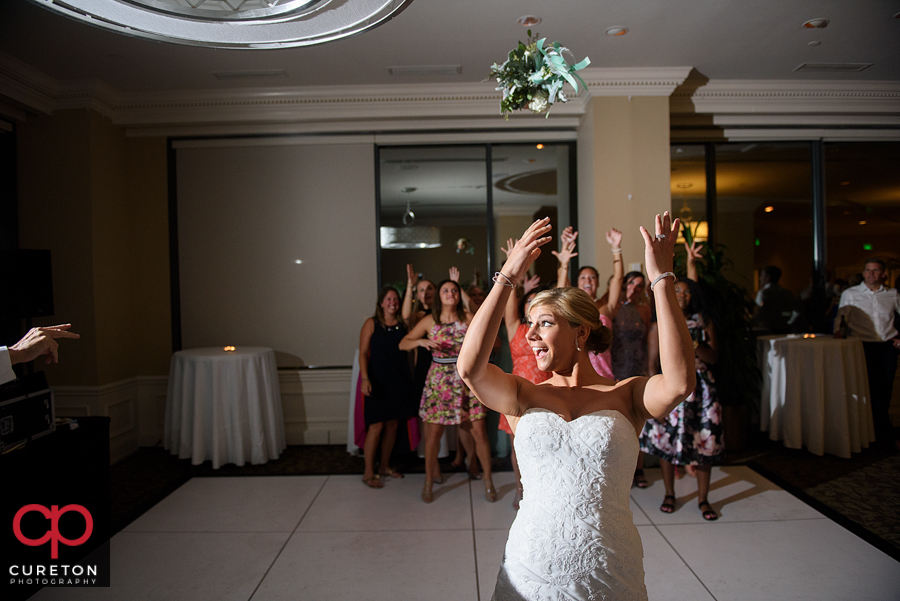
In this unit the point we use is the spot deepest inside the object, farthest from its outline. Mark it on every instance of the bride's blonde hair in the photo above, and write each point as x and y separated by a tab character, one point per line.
575	306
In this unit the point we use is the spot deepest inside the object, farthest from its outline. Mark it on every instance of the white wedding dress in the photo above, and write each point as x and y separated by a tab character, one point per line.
574	537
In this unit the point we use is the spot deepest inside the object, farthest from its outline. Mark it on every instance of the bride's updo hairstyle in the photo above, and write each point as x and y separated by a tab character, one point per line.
575	306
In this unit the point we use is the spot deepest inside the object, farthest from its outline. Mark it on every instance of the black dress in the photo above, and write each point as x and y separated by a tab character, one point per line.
393	394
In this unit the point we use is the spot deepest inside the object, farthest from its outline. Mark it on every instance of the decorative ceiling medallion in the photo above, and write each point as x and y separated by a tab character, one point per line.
233	23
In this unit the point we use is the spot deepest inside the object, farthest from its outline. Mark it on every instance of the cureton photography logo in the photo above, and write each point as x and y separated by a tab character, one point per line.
46	529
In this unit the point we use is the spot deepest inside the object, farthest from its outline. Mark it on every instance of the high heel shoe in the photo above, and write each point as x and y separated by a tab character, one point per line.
490	493
427	495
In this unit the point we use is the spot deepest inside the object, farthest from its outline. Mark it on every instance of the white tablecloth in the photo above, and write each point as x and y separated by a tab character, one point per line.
815	394
224	406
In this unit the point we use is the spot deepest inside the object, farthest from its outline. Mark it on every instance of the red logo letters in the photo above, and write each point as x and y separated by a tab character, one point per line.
53	514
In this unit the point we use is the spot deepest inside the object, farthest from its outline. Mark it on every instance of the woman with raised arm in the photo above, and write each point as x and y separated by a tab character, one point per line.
588	278
445	399
387	385
576	437
692	435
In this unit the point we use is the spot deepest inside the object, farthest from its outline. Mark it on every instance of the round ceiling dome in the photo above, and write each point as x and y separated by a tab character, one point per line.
233	23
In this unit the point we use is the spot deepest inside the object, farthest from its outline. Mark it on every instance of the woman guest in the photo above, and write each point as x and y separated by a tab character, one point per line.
588	279
446	400
417	303
576	437
387	384
465	444
692	434
524	363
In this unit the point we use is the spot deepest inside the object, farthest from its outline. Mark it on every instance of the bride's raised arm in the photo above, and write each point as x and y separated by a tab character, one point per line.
493	387
658	395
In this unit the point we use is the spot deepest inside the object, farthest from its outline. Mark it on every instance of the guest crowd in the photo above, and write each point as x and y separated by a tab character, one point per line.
409	349
407	365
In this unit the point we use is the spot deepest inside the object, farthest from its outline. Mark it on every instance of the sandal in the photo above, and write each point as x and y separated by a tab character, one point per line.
667	507
520	493
391	472
427	495
373	482
490	493
640	480
710	514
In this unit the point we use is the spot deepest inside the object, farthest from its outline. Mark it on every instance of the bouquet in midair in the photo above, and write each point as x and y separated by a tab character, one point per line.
533	76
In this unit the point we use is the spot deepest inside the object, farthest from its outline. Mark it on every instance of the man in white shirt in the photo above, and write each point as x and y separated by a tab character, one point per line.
868	310
37	342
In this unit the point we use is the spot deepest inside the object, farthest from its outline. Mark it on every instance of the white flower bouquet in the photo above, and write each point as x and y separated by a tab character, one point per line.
533	76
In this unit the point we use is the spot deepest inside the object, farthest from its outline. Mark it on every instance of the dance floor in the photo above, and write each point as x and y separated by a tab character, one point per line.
324	538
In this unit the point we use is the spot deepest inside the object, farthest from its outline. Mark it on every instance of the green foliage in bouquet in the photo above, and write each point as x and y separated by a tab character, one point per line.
533	76
738	378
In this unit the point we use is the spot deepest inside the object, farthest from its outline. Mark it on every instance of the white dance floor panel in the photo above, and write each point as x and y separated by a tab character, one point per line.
327	538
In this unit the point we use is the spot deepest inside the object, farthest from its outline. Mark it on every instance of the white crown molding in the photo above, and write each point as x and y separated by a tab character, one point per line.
393	127
787	97
767	104
795	134
623	81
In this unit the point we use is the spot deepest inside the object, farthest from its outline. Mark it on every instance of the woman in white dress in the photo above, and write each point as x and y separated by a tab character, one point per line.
577	433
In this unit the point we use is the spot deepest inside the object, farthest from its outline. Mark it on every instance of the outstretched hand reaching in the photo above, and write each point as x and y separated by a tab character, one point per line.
526	250
659	251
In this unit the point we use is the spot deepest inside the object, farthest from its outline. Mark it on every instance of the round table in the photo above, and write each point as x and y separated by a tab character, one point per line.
815	393
224	406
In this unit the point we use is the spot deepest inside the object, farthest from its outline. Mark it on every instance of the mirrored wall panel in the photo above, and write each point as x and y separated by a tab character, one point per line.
455	206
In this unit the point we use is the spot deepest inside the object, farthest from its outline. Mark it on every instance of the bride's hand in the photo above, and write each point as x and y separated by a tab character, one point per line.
659	252
526	250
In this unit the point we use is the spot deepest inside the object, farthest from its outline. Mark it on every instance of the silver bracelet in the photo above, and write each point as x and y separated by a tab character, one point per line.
509	283
617	251
659	277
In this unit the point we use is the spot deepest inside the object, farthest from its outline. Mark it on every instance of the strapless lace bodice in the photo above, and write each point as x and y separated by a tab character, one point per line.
574	536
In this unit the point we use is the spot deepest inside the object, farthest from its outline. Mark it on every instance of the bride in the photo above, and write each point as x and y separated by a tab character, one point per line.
577	433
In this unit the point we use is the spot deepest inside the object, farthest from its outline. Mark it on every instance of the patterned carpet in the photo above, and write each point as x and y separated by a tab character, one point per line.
862	493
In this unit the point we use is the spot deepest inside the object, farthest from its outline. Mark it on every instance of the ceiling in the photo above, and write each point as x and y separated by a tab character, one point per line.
723	39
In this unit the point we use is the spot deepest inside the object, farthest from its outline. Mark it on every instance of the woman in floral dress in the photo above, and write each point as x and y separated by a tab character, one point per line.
446	400
691	435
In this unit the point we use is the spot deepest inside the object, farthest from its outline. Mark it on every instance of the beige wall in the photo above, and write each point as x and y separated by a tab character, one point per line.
98	201
624	175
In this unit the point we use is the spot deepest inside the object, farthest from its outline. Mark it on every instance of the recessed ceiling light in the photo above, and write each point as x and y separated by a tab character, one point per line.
540	146
528	21
769	209
617	30
863	222
816	24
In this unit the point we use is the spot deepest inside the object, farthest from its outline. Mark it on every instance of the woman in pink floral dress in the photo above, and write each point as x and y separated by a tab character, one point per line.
446	400
691	435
